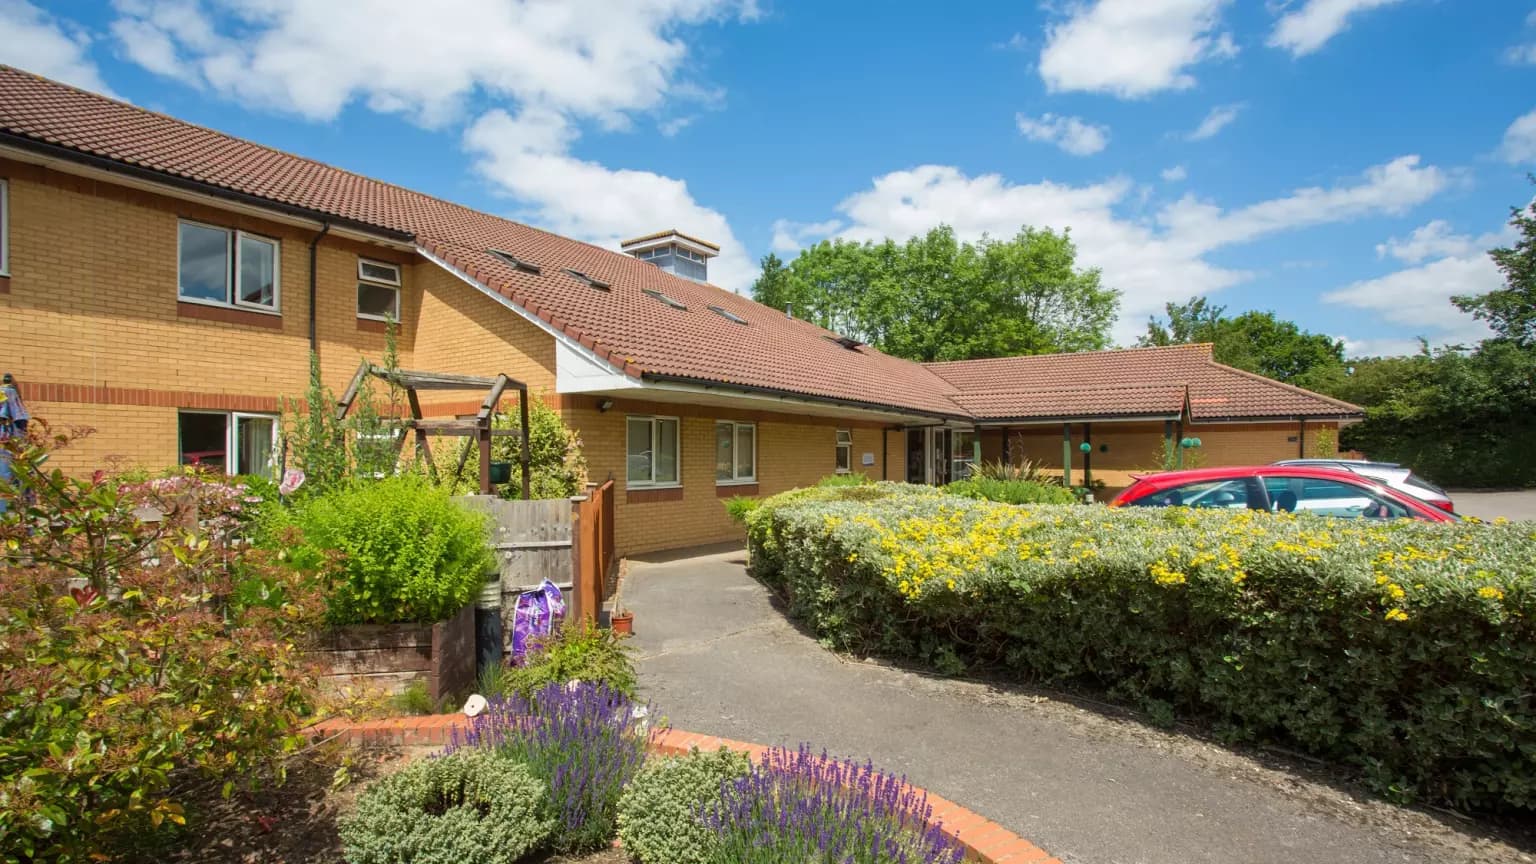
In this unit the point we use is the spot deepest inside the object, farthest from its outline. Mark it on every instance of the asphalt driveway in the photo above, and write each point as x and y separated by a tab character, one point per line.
1519	505
1086	783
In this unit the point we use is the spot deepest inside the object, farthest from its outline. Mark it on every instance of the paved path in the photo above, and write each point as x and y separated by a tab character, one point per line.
1520	505
716	657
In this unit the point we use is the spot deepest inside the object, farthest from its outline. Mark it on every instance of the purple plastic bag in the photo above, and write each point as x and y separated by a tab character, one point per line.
535	614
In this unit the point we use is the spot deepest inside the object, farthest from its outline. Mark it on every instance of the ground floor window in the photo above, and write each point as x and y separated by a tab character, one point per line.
844	451
735	452
651	451
228	443
964	446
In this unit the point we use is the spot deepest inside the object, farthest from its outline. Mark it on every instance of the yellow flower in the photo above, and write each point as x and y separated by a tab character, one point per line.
1488	592
1396	615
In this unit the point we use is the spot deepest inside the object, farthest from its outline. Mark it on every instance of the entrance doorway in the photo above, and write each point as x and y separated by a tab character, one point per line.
937	454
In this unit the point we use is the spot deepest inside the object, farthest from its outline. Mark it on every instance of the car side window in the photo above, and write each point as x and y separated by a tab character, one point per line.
1327	497
1213	494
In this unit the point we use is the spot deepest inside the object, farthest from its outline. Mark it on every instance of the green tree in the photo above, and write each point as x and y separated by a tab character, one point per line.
1511	310
1258	342
934	297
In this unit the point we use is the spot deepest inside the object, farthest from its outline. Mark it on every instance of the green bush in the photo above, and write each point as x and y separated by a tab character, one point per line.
1012	491
470	806
1404	649
574	652
659	811
738	506
128	678
399	548
833	481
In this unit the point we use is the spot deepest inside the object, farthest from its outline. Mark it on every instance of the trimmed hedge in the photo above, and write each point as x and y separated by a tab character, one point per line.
472	805
660	812
1404	649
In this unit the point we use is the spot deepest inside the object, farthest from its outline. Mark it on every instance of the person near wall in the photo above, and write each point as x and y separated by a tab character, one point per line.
14	418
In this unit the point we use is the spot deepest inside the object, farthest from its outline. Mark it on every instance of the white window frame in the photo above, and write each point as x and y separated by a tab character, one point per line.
844	445
736	479
5	227
232	252
677	451
232	435
380	283
967	460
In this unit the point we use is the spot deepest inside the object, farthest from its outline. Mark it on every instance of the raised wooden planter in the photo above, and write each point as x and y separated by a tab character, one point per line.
391	656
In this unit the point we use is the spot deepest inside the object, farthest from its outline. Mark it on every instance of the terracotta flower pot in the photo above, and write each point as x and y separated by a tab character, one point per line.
623	622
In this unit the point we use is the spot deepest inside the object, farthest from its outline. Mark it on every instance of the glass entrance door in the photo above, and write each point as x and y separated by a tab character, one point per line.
917	455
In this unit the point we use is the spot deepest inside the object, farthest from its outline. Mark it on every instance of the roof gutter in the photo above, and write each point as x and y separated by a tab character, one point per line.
48	155
803	397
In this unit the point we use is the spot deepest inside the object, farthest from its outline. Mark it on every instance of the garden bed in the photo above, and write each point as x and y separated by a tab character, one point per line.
392	656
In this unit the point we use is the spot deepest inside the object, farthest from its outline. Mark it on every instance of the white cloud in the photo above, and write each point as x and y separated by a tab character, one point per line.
1175	174
1419	298
1071	134
1308	28
587	57
1218	119
37	42
671	126
790	237
1519	143
1133	48
1522	54
1150	261
527	157
1436	239
1388	347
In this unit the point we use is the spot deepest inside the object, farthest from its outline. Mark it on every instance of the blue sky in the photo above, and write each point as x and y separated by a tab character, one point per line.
1344	163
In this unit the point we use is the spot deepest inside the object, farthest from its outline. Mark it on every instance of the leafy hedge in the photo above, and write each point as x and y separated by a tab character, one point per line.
1012	491
400	549
660	812
1404	649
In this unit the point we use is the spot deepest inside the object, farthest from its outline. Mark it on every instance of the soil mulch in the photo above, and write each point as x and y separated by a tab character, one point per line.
296	822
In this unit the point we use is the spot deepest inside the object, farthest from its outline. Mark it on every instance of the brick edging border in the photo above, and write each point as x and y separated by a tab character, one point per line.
984	840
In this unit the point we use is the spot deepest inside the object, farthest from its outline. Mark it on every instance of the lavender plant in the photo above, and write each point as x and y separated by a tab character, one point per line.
797	807
585	740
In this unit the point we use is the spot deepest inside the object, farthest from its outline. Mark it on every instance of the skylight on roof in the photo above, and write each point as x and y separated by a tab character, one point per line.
675	304
728	315
594	282
525	266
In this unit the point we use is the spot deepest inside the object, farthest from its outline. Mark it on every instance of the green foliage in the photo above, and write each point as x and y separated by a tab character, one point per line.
414	700
127	675
317	442
1012	491
851	479
738	506
1254	341
399	549
556	466
576	651
1511	310
659	819
935	298
1403	649
470	806
373	430
1324	444
1026	470
1172	457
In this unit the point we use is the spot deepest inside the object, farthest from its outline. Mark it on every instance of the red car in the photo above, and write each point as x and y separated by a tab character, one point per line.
1274	488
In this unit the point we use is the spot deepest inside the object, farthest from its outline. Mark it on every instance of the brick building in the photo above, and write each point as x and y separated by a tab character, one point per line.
167	284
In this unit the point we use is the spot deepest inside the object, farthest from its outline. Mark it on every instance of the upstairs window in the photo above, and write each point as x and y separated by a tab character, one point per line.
224	267
378	290
735	452
844	451
5	228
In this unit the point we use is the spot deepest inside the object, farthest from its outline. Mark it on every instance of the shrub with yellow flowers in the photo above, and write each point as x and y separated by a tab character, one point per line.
1404	649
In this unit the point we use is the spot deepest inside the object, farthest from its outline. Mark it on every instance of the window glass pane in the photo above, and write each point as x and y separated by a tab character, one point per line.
204	265
1220	494
204	439
376	301
378	272
639	451
1330	498
666	451
844	457
725	449
690	270
746	452
258	272
253	445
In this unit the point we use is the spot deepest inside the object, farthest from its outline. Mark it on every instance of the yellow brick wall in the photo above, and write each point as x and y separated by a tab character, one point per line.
791	452
125	436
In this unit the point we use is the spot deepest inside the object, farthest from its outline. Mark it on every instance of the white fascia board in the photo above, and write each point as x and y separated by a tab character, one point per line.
577	368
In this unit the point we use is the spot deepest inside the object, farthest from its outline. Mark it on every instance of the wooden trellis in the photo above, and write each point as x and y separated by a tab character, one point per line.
478	428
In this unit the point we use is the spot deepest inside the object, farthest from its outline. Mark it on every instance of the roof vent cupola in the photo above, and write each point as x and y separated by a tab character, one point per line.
674	252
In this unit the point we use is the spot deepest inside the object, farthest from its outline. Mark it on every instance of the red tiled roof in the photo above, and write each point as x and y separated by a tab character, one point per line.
629	328
1139	380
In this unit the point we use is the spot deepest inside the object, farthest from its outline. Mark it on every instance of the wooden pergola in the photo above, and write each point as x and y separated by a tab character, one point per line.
478	428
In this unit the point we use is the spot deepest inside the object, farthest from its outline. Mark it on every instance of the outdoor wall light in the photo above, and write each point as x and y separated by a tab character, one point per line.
1085	447
604	404
1103	448
1190	442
